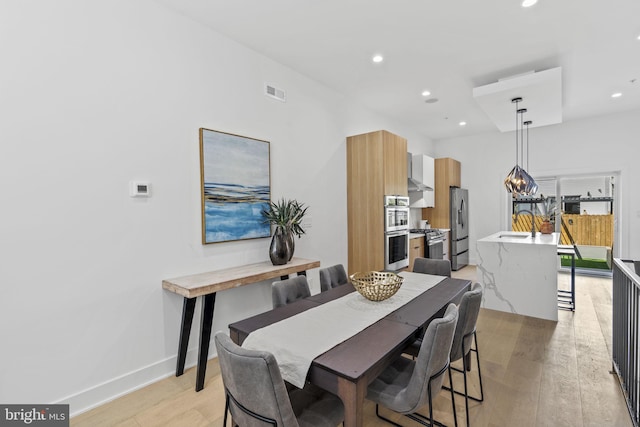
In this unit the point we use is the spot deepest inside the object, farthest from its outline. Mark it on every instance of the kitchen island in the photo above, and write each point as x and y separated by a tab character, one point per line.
519	273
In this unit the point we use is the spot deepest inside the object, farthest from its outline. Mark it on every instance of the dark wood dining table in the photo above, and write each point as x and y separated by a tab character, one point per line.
347	369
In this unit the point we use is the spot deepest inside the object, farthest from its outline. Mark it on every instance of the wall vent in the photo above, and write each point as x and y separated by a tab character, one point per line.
274	92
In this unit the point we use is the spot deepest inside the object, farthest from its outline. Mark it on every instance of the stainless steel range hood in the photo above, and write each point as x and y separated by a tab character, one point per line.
414	183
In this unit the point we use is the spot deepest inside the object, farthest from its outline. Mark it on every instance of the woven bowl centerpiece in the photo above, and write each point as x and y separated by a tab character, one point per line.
376	285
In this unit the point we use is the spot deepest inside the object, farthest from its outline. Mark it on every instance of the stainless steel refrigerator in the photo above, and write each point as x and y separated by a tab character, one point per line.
459	211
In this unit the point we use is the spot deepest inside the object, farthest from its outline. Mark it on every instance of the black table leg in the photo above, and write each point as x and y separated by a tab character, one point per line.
205	337
188	307
300	273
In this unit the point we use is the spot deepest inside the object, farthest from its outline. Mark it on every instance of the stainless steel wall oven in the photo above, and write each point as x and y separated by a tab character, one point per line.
396	232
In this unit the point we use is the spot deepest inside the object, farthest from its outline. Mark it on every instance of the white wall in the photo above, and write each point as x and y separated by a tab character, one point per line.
601	145
93	95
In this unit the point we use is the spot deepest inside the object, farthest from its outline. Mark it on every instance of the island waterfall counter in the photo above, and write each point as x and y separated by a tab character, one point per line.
519	273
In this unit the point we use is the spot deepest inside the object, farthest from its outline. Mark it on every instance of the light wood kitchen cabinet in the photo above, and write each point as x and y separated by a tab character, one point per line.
447	174
376	166
416	250
394	164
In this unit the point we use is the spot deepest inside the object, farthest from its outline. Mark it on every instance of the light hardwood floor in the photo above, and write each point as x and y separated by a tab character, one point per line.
535	373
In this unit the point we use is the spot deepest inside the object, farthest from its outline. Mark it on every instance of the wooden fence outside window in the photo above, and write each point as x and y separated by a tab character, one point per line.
587	230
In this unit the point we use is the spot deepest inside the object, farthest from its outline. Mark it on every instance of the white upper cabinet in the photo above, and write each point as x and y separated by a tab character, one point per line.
423	171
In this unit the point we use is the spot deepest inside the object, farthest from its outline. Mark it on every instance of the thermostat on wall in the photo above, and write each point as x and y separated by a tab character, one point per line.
139	189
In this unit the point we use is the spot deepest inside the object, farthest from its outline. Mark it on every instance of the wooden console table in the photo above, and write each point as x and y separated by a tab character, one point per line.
206	285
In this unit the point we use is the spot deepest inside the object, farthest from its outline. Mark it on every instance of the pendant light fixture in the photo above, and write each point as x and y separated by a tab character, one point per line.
519	181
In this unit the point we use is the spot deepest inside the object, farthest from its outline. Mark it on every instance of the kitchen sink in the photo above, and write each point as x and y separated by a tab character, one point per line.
514	236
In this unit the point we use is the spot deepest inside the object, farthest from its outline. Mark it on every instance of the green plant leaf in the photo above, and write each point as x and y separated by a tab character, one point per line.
287	214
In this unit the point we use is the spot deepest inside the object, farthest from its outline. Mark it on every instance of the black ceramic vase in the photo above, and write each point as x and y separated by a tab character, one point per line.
279	251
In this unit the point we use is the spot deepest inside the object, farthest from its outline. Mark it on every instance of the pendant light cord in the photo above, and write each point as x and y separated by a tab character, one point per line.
517	156
522	136
528	145
521	112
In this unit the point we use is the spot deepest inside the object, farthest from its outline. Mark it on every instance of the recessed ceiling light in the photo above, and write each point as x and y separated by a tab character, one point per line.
529	3
377	58
426	93
462	123
616	95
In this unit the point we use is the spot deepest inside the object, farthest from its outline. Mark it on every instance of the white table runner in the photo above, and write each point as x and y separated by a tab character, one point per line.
299	339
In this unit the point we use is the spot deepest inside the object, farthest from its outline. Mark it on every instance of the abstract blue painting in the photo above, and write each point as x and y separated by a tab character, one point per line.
235	186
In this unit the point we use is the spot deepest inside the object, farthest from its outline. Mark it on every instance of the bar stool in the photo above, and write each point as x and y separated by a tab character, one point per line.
567	299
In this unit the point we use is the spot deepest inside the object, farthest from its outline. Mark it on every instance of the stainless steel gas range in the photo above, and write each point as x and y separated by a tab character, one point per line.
434	242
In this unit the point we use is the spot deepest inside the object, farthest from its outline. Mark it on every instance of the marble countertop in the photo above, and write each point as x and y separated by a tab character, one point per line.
522	237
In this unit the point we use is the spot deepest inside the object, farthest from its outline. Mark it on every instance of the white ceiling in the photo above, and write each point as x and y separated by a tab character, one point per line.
539	96
448	47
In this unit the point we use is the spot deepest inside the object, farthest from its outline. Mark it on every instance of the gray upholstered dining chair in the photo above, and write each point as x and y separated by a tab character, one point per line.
286	291
407	385
462	341
332	277
256	395
439	267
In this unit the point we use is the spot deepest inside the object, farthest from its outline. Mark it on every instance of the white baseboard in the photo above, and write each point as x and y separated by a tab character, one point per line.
100	394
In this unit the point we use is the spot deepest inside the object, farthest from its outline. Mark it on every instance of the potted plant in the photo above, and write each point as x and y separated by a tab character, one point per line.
287	216
548	211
